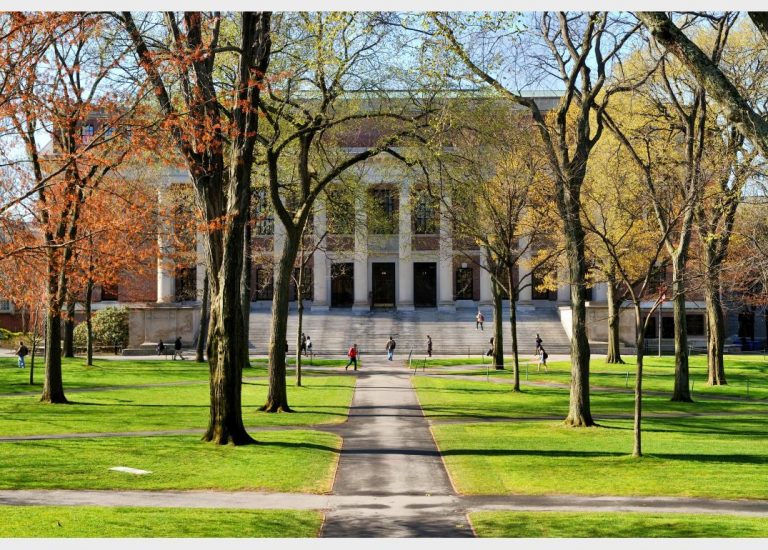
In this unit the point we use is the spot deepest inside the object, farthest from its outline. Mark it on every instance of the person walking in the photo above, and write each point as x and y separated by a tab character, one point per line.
160	347
538	344
391	344
479	320
22	352
177	349
309	345
490	349
352	354
542	360
429	345
303	344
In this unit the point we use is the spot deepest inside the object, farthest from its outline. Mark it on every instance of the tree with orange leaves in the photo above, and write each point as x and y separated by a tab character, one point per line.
60	89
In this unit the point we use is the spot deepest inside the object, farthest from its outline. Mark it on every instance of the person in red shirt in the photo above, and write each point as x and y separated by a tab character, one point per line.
352	354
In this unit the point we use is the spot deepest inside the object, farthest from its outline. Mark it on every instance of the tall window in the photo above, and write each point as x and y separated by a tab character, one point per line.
87	132
464	284
340	212
262	285
425	219
5	306
264	223
382	219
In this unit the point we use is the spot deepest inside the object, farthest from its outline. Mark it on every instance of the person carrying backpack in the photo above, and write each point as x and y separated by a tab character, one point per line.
352	354
542	360
177	349
391	348
22	352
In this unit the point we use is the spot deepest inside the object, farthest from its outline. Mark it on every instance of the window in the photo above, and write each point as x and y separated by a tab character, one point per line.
5	306
109	292
650	329
186	284
382	219
667	327
695	324
340	212
307	286
262	285
464	284
263	222
87	132
425	219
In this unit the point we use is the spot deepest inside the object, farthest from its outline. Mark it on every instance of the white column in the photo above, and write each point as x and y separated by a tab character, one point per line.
361	256
320	260
563	286
523	273
405	257
445	268
166	281
486	294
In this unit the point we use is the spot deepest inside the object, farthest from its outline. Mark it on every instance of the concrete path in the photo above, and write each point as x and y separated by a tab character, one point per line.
380	510
388	453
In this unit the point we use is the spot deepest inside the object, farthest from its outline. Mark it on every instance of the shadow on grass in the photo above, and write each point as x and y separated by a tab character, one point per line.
292	445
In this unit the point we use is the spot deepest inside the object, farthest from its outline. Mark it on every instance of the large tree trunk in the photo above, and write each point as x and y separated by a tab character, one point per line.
35	337
205	317
227	338
715	334
69	330
53	387
245	283
277	397
579	412
682	390
88	323
298	333
498	326
513	328
614	319
637	447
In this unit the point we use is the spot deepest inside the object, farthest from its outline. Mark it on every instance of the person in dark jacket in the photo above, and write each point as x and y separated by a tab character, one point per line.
22	353
429	345
391	344
177	349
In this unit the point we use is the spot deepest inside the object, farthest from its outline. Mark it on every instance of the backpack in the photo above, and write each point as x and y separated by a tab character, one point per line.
393	344
351	353
23	351
545	355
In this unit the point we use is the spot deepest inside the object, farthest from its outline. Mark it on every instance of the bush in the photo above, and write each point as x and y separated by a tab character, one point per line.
110	326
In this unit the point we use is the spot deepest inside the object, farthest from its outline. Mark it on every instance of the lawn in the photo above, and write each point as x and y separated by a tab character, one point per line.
108	372
322	399
286	460
454	398
92	521
719	457
615	524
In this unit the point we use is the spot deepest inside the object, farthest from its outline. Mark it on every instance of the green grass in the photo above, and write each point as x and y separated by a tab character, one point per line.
108	372
322	399
305	362
92	521
719	457
615	524
451	398
287	460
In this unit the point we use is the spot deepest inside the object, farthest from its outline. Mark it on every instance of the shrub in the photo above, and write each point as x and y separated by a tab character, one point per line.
110	326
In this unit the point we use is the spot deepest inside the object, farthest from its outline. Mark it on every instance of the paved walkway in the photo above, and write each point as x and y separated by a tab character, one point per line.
388	453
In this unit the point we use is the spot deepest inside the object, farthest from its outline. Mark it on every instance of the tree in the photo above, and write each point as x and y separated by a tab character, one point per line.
213	123
735	105
331	62
614	214
495	193
58	94
578	49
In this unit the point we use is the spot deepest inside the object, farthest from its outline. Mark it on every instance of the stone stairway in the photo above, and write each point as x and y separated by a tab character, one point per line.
453	333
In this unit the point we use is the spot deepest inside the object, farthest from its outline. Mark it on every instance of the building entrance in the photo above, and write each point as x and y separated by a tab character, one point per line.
383	288
425	284
342	285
